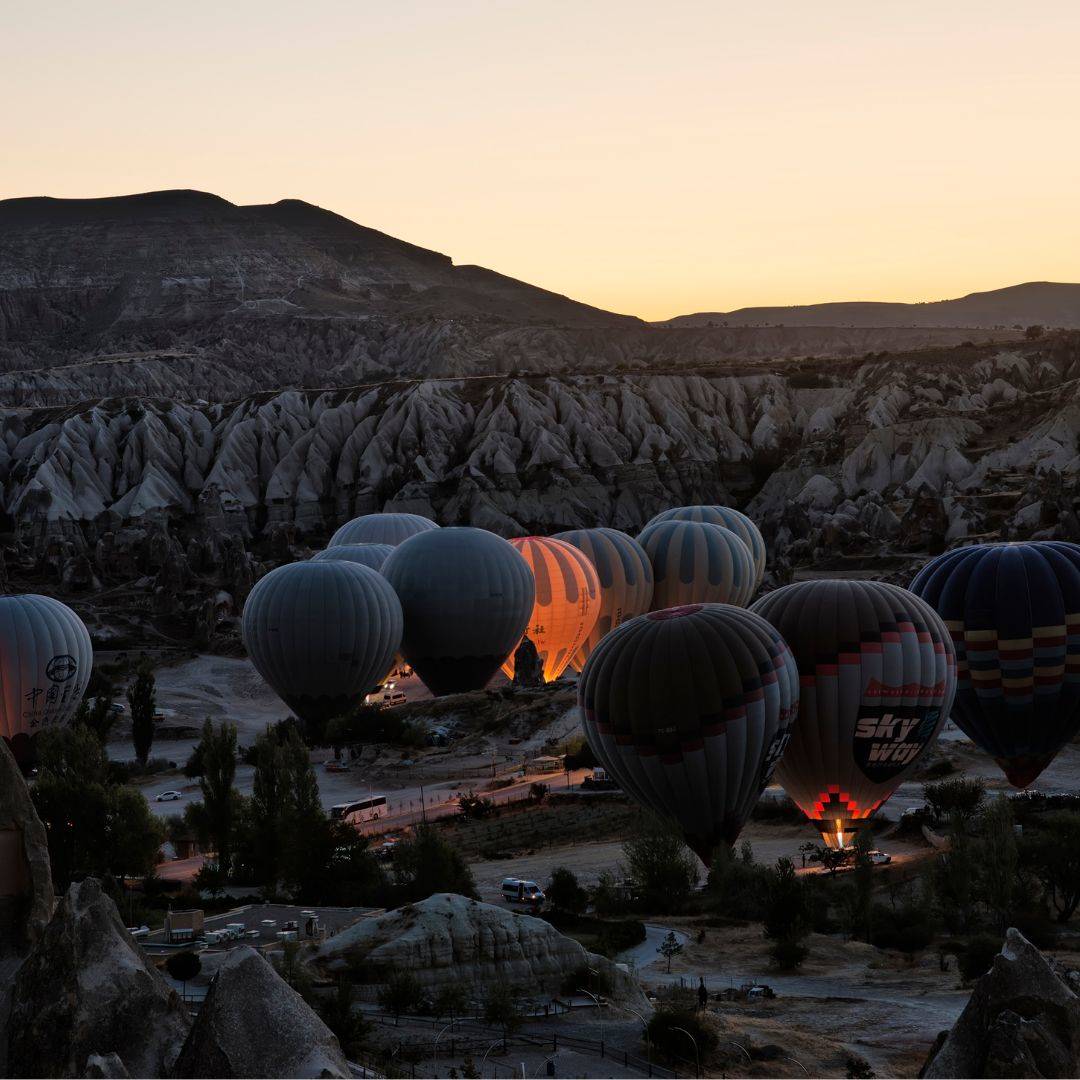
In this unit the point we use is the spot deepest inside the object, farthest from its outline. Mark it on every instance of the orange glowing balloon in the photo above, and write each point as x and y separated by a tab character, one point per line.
567	602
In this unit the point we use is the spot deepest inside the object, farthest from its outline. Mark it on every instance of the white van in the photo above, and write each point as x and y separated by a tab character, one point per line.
519	891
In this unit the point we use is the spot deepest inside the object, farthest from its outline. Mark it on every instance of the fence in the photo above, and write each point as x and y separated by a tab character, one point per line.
457	1043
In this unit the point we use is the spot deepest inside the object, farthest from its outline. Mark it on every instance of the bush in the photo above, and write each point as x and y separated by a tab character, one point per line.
586	978
564	893
737	889
788	953
665	1036
907	929
401	993
978	955
475	807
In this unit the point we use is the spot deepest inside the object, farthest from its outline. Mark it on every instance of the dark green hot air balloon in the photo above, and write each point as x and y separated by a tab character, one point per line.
690	709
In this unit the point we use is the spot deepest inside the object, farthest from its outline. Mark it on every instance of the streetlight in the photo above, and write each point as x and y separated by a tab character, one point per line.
435	1051
483	1060
645	1025
697	1055
797	1062
598	1009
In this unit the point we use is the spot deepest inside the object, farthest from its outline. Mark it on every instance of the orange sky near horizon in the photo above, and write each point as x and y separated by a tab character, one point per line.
650	159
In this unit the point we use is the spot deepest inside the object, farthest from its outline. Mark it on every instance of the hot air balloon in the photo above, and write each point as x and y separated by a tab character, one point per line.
467	595
689	709
878	675
567	602
697	563
391	529
729	518
373	555
45	663
626	580
322	634
1014	614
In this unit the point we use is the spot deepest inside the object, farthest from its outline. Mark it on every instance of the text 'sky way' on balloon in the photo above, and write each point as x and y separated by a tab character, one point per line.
467	595
45	663
322	634
626	581
697	563
392	529
567	602
372	555
730	518
1014	614
878	674
690	709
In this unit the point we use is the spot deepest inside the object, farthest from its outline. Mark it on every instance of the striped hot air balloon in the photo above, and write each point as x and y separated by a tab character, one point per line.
391	529
729	518
697	563
372	555
878	675
567	602
1014	614
626	580
690	709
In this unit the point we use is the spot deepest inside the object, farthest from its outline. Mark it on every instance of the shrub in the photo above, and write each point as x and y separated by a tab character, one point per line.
665	1036
401	993
475	807
564	893
907	929
788	953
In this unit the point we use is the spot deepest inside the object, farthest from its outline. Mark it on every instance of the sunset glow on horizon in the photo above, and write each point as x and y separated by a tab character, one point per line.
650	159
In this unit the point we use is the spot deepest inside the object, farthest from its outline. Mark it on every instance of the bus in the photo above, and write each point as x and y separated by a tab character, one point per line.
369	809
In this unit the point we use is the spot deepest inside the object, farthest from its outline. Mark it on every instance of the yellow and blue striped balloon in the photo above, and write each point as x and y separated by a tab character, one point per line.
697	563
729	518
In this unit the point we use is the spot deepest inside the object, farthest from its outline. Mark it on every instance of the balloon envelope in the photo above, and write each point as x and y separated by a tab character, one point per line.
689	709
392	529
322	634
697	563
466	594
730	518
626	581
45	661
1014	614
567	602
878	675
372	555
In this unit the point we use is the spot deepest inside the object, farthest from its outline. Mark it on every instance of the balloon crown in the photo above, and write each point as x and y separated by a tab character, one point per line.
675	612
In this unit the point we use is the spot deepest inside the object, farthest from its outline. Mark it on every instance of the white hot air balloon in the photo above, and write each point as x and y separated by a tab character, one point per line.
391	529
45	663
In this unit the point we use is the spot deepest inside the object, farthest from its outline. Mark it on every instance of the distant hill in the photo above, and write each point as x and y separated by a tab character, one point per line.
1047	302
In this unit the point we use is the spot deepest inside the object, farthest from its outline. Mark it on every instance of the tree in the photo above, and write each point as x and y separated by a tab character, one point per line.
183	966
863	881
97	714
142	700
669	948
786	907
1034	332
400	993
954	877
95	825
828	858
216	783
337	1012
1051	851
660	865
501	1008
476	807
426	863
451	1001
564	893
948	797
999	860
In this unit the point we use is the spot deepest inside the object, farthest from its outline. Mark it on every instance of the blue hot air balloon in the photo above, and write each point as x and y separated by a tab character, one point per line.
1014	614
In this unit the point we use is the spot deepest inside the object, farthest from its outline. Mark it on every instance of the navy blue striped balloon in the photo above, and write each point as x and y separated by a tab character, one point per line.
1014	614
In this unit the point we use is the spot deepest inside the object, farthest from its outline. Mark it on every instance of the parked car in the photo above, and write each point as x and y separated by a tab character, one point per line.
117	708
169	796
879	858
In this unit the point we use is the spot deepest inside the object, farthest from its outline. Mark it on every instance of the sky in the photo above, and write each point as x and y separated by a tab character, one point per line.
649	158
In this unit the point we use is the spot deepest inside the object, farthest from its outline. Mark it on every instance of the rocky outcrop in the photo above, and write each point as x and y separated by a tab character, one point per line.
87	989
252	1023
1021	1021
26	890
450	939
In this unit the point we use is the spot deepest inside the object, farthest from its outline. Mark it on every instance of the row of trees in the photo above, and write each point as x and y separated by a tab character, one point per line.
280	839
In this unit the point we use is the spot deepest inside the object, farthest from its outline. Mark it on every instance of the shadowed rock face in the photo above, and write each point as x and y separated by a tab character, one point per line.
1021	1021
253	1023
86	988
26	891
